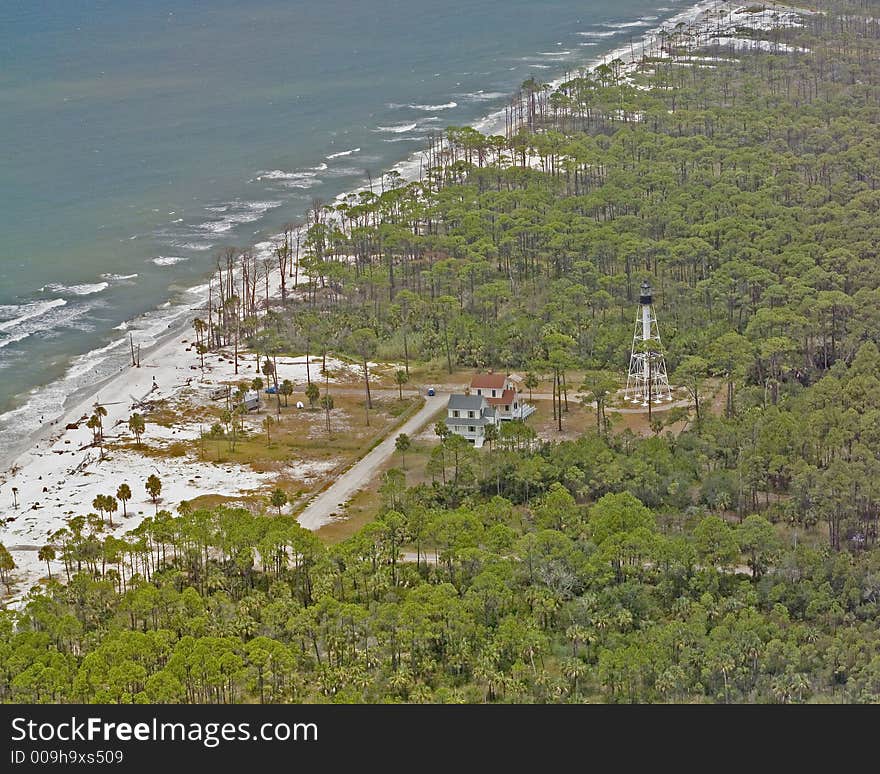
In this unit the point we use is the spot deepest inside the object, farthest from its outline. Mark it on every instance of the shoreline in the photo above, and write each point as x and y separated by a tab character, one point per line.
61	473
163	348
82	400
167	363
409	167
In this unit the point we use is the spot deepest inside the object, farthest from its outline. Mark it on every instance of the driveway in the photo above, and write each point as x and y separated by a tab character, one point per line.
318	512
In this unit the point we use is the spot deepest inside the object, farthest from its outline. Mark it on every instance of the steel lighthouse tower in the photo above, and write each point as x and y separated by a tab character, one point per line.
647	381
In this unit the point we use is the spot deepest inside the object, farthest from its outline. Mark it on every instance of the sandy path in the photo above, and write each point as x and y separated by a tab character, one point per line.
637	409
427	556
318	512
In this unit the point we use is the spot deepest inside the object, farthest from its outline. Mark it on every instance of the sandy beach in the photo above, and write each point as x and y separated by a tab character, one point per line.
61	473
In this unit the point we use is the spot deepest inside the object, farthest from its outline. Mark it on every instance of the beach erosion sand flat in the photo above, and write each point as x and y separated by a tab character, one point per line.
62	473
58	476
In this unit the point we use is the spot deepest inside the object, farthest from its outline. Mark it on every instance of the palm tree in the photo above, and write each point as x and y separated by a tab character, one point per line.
578	634
7	565
597	387
123	493
530	382
403	444
286	390
279	499
100	413
312	393
327	405
47	554
202	349
137	425
271	375
490	435
154	488
111	506
574	670
401	377
93	424
200	327
99	503
216	434
267	423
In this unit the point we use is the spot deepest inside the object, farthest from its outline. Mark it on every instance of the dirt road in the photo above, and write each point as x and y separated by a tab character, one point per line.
318	512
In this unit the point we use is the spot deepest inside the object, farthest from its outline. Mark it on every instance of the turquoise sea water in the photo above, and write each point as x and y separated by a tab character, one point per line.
139	137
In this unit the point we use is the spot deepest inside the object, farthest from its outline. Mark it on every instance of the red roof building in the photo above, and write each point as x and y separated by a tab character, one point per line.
507	397
500	392
489	382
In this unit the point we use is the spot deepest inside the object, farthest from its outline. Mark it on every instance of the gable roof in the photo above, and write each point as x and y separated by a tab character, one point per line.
465	402
507	396
488	381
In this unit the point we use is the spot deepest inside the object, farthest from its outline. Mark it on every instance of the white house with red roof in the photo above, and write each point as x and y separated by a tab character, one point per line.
491	399
502	394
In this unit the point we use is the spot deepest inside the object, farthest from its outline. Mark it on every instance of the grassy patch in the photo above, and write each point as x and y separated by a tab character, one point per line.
366	505
575	421
361	510
294	435
213	500
177	449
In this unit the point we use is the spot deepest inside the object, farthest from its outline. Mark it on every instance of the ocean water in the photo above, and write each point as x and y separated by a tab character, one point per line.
140	137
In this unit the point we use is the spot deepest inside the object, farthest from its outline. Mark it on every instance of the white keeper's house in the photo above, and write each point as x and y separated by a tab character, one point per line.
491	399
468	416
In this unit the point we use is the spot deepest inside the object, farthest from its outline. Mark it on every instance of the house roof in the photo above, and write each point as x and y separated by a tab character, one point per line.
506	397
466	402
488	381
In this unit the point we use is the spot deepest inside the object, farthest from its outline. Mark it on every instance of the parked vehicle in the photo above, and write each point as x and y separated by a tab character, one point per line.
431	392
273	390
251	401
219	392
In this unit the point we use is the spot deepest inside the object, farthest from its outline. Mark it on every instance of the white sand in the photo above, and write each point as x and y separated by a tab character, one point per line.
58	476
